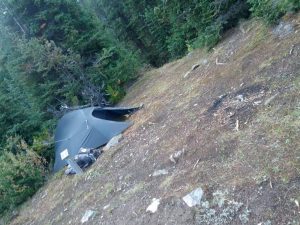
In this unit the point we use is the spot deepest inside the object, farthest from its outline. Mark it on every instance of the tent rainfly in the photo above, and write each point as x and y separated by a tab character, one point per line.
88	128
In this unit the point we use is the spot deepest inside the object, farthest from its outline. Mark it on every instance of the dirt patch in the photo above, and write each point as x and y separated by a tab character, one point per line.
235	110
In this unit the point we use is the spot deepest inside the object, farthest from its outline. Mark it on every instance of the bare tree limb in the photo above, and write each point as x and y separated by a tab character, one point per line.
14	18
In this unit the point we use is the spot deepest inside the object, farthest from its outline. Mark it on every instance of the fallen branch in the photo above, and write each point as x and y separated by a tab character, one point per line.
195	165
192	69
292	50
236	125
219	63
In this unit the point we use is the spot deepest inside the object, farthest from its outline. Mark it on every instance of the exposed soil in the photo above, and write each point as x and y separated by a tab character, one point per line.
236	121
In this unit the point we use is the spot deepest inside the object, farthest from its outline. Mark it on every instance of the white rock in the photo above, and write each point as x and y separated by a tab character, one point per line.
193	198
240	98
283	30
160	172
268	222
204	61
174	157
153	206
106	207
113	142
87	215
257	103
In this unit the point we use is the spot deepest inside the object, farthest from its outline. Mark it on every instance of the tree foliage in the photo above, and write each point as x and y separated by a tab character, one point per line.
164	30
21	174
61	29
20	114
271	10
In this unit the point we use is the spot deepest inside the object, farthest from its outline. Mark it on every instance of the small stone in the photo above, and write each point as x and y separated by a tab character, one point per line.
268	222
193	198
240	98
257	103
113	142
283	30
174	157
106	207
160	172
153	206
205	204
204	62
87	216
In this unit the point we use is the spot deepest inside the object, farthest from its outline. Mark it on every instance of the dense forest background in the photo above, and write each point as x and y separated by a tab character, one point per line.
59	54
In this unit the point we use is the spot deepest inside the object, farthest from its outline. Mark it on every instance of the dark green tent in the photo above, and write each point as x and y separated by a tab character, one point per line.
88	128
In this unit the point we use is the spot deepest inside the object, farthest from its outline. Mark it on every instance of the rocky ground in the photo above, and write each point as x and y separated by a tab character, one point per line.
226	122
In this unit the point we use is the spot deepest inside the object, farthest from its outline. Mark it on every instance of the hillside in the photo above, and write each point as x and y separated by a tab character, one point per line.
234	121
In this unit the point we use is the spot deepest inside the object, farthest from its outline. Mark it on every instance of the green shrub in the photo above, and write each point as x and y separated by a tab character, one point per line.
272	10
21	174
43	145
115	94
176	44
209	38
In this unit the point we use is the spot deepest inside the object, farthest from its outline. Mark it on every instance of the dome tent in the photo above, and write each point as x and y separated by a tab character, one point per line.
89	127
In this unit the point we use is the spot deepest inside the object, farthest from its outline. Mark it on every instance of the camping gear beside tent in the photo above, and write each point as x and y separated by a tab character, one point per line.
88	128
84	159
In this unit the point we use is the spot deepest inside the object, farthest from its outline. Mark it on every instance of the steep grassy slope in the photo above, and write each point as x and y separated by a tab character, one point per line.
236	118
